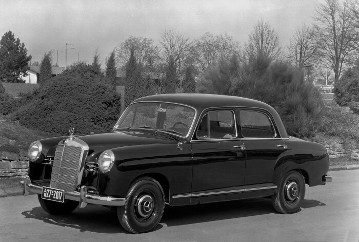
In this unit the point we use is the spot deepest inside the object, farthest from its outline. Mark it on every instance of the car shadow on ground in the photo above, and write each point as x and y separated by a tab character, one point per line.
175	216
95	219
98	219
309	203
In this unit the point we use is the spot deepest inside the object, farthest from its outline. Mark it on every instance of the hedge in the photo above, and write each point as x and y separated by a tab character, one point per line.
77	98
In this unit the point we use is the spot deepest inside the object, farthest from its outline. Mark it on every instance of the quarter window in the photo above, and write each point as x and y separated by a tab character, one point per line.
255	124
218	124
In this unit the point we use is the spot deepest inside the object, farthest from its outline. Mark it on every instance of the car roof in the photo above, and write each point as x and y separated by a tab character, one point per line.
202	101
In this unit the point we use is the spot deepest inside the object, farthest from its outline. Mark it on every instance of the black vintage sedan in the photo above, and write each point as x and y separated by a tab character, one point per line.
177	149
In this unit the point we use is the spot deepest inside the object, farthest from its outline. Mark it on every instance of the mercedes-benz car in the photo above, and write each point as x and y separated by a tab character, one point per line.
177	149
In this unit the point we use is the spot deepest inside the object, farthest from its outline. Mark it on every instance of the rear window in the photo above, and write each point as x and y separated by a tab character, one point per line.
256	124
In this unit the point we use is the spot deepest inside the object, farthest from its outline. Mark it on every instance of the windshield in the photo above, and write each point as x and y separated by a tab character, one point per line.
173	118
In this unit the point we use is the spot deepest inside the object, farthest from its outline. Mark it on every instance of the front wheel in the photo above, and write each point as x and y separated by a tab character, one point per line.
57	208
144	206
290	194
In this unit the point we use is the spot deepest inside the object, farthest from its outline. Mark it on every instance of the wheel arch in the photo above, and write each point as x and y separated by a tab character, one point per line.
304	173
288	166
161	180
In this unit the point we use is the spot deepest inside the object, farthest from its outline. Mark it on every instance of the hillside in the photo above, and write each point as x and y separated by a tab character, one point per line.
15	139
339	134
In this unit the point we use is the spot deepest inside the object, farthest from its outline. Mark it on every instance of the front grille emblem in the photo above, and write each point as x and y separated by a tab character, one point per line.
71	132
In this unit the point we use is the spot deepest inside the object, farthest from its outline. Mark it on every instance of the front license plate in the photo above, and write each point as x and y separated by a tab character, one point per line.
53	194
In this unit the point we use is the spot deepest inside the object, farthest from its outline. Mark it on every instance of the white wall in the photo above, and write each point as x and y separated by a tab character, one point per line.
31	78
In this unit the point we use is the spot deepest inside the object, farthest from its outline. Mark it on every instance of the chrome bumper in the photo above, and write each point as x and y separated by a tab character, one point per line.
83	197
327	178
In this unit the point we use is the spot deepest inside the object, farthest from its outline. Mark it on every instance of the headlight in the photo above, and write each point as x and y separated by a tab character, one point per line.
106	160
34	151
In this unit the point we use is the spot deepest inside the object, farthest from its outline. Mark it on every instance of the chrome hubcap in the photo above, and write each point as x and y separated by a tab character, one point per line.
145	206
291	191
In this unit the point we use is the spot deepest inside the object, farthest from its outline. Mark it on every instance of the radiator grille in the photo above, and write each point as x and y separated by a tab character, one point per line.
66	167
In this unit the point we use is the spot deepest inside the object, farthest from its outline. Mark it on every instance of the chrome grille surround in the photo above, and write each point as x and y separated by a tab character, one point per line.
68	165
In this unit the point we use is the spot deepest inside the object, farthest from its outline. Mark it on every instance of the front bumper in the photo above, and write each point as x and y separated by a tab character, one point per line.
84	197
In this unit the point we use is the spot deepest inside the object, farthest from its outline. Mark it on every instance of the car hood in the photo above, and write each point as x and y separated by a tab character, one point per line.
100	142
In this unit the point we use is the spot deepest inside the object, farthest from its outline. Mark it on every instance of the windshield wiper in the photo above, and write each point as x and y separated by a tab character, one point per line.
145	127
172	131
133	128
122	128
168	134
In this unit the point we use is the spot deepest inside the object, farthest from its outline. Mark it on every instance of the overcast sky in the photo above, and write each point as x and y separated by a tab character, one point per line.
90	25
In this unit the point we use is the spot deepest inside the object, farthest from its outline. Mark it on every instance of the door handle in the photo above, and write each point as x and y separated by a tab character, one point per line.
283	146
240	147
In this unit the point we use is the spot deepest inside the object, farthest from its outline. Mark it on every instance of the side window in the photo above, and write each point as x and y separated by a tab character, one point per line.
218	124
255	124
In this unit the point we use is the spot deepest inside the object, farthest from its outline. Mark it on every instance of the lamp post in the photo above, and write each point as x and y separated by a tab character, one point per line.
57	56
67	44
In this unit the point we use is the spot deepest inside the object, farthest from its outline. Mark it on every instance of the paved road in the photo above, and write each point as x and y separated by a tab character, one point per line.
329	213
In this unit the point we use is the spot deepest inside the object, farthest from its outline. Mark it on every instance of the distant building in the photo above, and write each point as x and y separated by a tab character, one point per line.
30	78
33	74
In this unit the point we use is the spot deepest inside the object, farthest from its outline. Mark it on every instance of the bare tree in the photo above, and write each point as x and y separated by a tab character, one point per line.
263	41
145	52
177	47
337	35
303	48
210	48
354	12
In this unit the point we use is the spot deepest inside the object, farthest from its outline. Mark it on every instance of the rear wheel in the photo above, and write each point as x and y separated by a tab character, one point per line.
144	206
290	194
57	208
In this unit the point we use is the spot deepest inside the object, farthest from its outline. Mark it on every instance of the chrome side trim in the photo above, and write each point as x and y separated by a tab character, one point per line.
83	197
182	195
261	188
202	194
236	139
248	138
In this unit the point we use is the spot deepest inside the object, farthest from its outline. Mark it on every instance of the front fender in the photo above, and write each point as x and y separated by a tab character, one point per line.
131	162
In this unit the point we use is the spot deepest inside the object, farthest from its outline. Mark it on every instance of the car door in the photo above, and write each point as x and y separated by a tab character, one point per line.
261	143
218	161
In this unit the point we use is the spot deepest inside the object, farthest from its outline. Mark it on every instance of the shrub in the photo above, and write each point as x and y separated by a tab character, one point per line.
10	148
2	89
339	123
279	84
7	104
77	98
298	102
354	106
346	89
